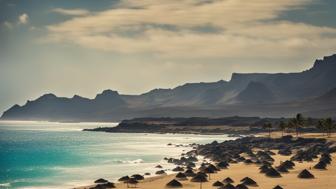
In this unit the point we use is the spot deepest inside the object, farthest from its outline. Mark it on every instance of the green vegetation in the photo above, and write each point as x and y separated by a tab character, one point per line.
297	123
282	127
326	126
269	127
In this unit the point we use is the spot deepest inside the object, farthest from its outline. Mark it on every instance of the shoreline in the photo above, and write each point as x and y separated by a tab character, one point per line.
288	180
232	134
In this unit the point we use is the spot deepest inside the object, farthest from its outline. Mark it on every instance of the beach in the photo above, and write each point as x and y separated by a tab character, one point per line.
323	178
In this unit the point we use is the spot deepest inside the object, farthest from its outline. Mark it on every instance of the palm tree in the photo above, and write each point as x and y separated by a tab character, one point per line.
328	125
269	127
320	126
297	123
282	126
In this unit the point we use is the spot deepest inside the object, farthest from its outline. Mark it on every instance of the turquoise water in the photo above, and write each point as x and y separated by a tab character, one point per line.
60	155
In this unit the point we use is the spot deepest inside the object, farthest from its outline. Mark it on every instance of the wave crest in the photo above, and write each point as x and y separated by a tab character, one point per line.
136	161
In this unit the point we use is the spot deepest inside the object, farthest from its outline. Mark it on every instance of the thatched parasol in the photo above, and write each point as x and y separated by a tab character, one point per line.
305	174
104	185
321	165
132	181
282	169
326	159
161	172
199	178
228	186
267	163
248	181
277	187
211	166
178	169
124	178
189	173
202	173
101	180
181	176
138	177
273	173
263	168
222	164
288	164
217	183
209	170
228	180
174	184
241	186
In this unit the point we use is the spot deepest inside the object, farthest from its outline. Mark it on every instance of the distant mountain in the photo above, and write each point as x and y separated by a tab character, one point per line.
328	97
250	94
53	108
255	93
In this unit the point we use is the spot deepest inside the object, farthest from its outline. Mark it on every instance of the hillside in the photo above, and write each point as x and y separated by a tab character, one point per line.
250	94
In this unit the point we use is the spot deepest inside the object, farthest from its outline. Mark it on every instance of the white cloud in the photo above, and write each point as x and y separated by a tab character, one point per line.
167	28
71	12
23	18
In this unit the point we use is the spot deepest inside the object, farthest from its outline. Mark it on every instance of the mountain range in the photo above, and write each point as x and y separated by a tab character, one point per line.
311	92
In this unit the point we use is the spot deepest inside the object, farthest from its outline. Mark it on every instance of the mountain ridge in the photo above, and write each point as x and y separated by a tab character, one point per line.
242	91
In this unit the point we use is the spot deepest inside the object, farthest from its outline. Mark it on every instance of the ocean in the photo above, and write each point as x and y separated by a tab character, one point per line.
60	155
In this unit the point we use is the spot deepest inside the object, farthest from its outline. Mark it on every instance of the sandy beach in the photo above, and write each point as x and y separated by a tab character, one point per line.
323	178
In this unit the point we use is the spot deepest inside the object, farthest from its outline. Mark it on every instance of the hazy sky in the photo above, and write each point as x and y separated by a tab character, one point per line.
81	47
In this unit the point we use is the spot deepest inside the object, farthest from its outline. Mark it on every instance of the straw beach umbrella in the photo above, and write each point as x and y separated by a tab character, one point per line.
248	181
158	166
174	184
181	176
288	164
321	165
263	168
228	180
223	165
209	170
241	186
189	173
217	183
124	178
282	169
104	185
132	181
199	178
138	177
305	174
101	180
277	187
178	169
161	172
228	186
273	173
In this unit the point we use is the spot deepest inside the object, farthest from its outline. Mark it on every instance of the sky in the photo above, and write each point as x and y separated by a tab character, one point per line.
82	47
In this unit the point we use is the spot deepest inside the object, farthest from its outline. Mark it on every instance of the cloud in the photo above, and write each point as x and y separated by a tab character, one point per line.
169	29
71	12
23	18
